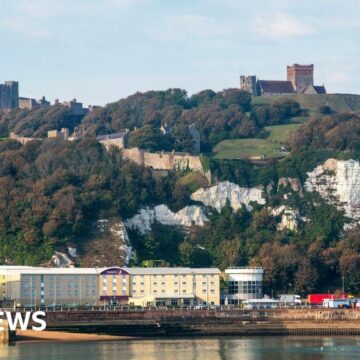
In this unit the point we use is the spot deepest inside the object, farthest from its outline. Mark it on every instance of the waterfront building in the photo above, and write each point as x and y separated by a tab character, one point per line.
174	286
36	286
244	283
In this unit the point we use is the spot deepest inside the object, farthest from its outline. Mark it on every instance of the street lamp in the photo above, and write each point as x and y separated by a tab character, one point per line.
343	285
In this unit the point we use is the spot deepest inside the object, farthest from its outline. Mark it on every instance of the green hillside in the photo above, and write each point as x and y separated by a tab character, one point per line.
280	133
269	147
245	148
337	102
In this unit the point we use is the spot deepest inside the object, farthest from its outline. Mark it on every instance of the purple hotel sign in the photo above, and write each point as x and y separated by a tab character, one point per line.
114	271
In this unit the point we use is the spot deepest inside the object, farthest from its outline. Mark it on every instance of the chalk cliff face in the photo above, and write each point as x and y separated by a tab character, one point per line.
216	196
338	182
188	216
289	218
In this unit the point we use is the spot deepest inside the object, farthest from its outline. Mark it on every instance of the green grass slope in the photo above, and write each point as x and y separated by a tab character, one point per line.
337	102
246	148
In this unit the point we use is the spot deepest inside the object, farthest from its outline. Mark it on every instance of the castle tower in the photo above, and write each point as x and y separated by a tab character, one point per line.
9	95
301	76
248	83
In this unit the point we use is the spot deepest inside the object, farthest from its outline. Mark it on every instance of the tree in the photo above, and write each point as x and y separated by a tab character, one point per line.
150	139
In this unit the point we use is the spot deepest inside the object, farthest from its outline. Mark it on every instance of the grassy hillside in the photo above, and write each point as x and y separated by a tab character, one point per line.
246	148
337	102
280	133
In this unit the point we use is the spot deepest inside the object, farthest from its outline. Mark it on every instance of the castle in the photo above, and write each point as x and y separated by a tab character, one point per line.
300	80
9	95
9	99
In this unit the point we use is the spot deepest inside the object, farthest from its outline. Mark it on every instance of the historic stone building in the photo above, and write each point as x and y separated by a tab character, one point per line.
300	80
9	95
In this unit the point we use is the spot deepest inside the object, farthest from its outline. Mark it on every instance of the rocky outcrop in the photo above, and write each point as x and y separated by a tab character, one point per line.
289	218
338	182
188	216
217	196
294	183
60	260
109	245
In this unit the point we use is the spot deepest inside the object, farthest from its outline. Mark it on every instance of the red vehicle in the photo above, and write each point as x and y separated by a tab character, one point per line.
317	299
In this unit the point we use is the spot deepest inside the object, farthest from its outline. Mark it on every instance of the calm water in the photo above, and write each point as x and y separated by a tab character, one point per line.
265	348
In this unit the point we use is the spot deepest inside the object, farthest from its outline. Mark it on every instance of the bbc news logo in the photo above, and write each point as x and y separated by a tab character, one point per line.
21	320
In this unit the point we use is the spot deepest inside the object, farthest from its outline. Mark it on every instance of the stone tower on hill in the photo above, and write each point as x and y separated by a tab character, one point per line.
248	83
301	76
9	95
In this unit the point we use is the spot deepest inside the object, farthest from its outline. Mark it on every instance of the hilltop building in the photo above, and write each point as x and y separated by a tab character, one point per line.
62	134
9	95
300	80
118	139
43	103
28	103
76	107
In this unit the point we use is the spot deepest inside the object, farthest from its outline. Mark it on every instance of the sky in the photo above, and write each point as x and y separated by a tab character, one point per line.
99	51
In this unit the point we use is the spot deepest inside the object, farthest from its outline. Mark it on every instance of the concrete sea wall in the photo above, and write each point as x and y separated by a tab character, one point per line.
153	323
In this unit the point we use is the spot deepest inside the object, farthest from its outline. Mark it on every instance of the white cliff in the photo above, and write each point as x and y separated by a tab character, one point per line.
289	218
188	216
338	182
217	196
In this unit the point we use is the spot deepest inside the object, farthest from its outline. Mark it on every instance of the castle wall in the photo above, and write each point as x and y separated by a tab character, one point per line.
163	161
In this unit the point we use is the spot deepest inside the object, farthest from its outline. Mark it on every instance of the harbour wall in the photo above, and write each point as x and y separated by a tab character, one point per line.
155	323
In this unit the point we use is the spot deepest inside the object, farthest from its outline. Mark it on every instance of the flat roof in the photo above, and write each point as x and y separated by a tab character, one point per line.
260	301
171	270
96	271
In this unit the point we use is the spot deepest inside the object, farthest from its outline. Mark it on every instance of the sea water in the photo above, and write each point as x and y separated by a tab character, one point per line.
222	348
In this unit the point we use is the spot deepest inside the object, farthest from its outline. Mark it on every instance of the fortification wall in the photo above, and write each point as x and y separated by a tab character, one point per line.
164	160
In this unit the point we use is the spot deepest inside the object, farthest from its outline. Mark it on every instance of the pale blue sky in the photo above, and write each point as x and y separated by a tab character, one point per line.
102	50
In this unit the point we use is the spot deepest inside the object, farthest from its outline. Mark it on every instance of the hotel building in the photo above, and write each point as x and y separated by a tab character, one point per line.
35	286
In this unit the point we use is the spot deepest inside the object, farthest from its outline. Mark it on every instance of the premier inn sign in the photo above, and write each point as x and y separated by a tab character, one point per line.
114	271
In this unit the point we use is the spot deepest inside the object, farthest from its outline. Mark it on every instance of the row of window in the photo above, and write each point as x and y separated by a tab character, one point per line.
204	291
